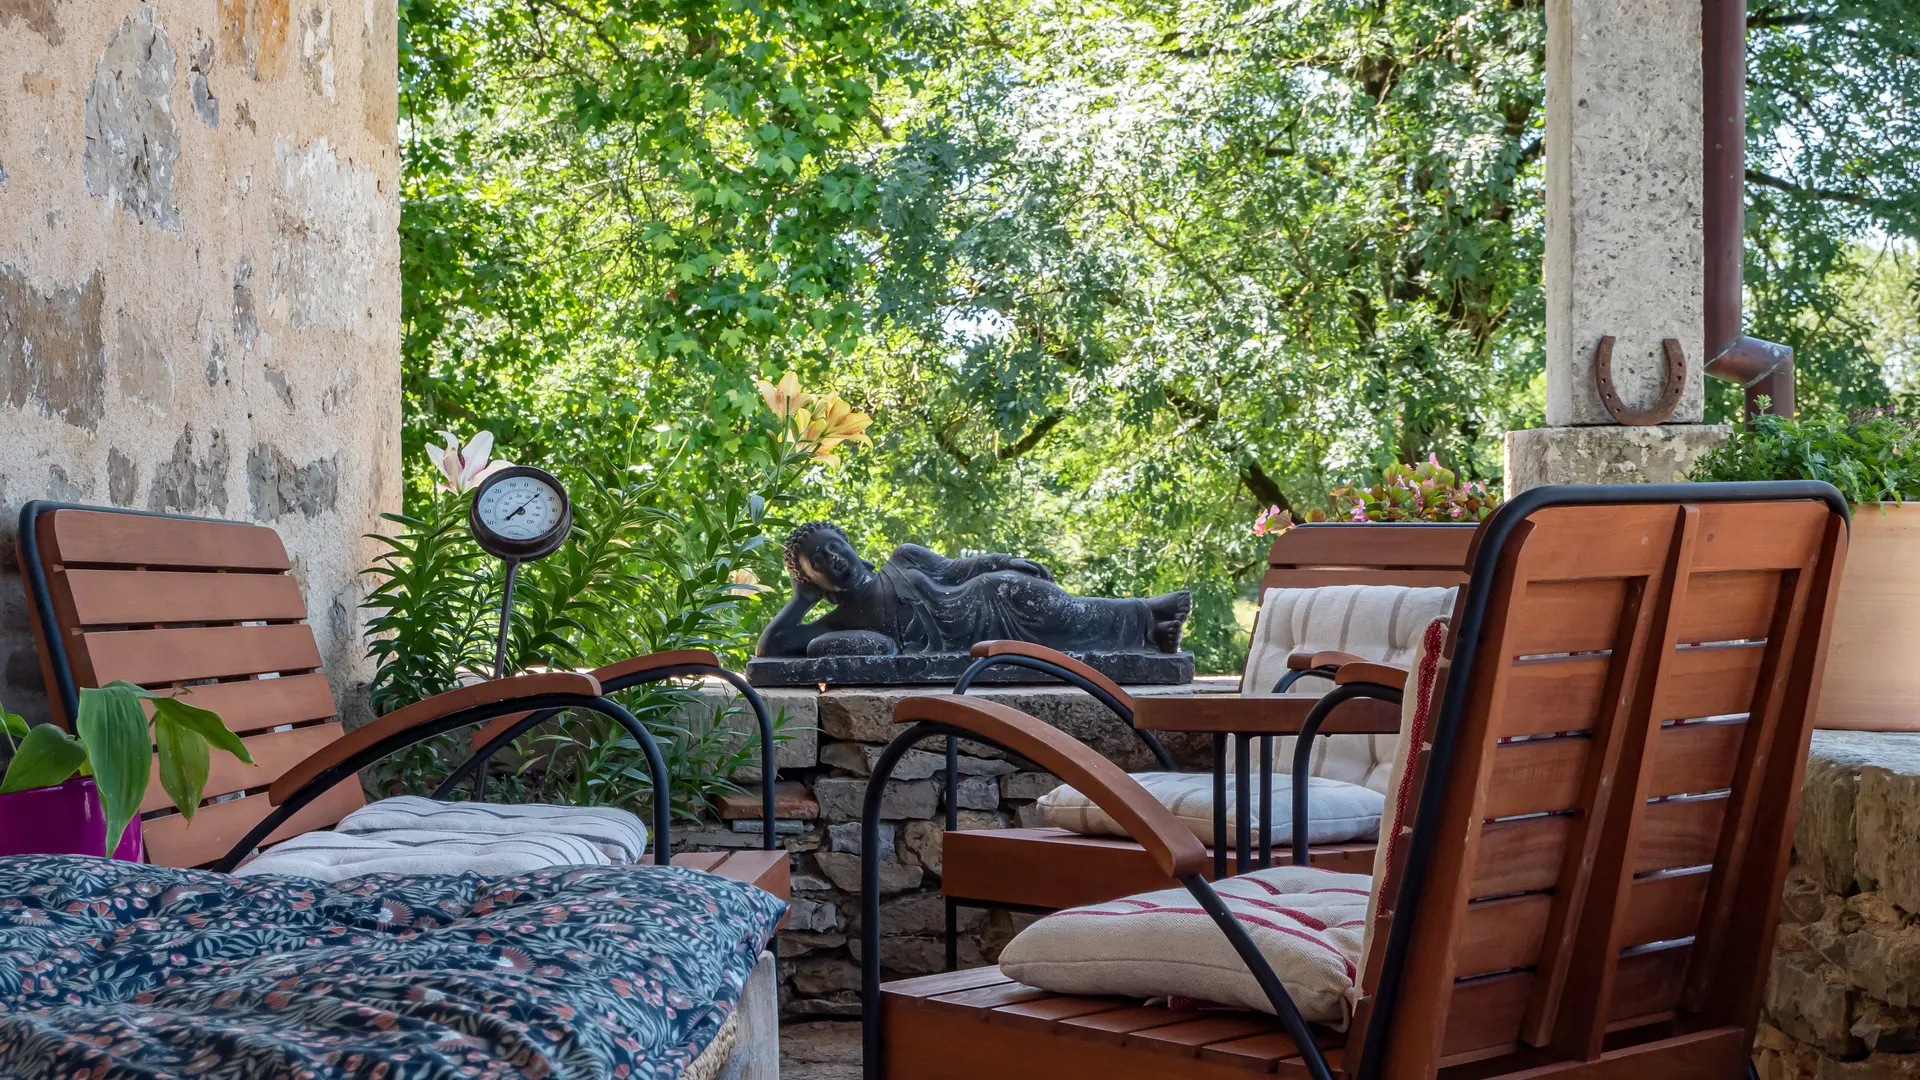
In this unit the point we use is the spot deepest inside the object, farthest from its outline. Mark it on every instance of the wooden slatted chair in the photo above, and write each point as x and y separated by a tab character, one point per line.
1044	868
1601	816
211	606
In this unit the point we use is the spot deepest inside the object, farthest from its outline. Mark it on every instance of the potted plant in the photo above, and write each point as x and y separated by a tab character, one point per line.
68	795
1428	491
1871	683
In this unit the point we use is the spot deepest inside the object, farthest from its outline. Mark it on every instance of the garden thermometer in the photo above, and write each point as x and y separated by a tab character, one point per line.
518	514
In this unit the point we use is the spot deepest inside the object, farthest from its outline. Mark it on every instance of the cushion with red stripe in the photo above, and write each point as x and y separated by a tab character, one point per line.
1308	923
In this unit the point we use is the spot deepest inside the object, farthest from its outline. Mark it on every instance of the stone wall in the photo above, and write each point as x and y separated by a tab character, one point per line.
1843	1002
824	765
199	279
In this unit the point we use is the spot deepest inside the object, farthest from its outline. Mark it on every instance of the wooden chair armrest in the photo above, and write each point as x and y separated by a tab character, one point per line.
1267	714
654	662
1174	848
612	673
1307	661
983	649
490	692
1364	672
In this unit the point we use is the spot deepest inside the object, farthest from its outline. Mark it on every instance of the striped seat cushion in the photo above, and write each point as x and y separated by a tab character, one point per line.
1381	623
1311	925
416	836
1308	923
1337	812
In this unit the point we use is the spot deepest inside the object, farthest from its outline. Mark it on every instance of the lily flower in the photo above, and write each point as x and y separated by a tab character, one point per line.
831	423
785	398
464	467
746	582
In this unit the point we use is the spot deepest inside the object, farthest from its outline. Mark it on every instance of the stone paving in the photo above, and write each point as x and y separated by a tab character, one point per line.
822	1050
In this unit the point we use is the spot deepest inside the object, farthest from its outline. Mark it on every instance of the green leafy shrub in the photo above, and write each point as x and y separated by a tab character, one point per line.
644	570
1870	456
116	748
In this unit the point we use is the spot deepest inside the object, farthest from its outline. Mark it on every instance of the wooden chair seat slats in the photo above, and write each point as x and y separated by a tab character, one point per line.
172	597
172	841
1417	555
1053	868
82	538
770	871
210	607
1590	886
186	654
251	705
273	754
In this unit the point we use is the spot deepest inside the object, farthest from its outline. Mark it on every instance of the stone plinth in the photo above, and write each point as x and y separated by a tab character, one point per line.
1625	250
941	670
1606	455
1844	996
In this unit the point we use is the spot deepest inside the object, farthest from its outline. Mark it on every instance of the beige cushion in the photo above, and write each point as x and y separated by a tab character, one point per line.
1308	923
1311	925
1416	713
1338	812
1381	623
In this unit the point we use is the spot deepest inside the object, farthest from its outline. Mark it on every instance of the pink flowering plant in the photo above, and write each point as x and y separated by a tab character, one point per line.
1428	491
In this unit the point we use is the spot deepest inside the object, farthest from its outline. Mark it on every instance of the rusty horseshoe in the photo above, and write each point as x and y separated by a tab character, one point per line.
1671	388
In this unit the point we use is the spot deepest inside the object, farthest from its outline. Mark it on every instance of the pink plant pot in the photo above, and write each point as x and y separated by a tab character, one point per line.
65	819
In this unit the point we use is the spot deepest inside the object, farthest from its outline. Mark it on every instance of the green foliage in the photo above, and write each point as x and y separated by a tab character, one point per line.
1873	457
1110	277
638	574
1833	129
115	747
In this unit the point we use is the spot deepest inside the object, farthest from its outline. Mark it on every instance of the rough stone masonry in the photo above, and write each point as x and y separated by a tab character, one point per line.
199	280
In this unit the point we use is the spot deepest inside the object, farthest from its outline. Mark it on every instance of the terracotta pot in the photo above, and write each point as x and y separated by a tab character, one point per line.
1873	661
65	819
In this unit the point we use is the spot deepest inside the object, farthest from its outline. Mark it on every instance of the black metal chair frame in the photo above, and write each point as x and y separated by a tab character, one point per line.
539	708
1302	770
1471	615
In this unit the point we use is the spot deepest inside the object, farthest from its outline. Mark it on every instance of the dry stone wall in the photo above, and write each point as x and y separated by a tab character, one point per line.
1843	1001
825	765
199	280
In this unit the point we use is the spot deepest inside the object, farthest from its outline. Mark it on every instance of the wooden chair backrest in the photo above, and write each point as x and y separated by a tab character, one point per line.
207	605
1604	849
1415	554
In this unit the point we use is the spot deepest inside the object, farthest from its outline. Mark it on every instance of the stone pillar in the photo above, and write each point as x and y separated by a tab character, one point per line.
1625	250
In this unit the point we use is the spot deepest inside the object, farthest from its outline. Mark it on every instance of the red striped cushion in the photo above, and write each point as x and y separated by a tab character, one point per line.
1308	923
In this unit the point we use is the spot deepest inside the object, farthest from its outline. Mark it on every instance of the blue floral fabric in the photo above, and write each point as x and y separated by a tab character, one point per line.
120	970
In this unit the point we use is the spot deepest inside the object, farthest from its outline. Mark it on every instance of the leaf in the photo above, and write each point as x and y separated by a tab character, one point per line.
202	722
114	728
183	763
47	756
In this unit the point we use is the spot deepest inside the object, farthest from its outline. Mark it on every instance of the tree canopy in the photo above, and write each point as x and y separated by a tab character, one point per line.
1110	276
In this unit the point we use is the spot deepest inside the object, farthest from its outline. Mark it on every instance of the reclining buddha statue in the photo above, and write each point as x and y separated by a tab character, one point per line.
921	602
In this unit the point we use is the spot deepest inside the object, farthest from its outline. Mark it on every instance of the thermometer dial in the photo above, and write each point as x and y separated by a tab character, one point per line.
521	513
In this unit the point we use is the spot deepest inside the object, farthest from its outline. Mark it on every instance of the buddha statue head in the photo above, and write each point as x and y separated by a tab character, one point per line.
820	554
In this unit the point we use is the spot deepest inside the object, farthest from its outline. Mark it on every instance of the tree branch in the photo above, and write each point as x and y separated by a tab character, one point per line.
1754	176
1804	18
943	439
1030	439
1263	488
